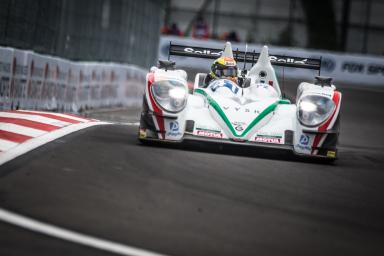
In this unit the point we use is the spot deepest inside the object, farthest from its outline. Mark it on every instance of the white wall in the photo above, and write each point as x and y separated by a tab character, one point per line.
32	81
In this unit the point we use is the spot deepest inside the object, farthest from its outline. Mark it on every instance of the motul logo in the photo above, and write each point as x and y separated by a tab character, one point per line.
268	140
209	134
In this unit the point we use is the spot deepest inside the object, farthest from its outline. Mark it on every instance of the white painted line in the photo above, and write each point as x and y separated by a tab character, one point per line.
39	119
130	123
6	145
19	129
57	114
72	236
39	141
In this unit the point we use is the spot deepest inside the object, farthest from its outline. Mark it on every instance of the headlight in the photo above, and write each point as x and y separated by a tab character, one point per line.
314	110
170	95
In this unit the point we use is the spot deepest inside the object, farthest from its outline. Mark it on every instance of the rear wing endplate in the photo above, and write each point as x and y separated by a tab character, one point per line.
250	57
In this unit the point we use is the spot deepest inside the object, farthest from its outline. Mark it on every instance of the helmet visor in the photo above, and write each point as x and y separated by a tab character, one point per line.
226	72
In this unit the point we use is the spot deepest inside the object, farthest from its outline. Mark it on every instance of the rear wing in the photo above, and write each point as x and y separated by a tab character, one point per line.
240	56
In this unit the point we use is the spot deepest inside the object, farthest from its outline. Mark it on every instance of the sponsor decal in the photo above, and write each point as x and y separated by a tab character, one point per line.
331	154
224	83
303	147
288	60
142	134
322	94
239	126
328	64
375	69
229	61
241	109
215	53
262	85
203	52
304	139
274	140
174	129
303	142
209	134
362	68
174	126
352	67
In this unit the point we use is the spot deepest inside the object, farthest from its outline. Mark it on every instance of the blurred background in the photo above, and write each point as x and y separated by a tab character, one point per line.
128	31
88	30
339	25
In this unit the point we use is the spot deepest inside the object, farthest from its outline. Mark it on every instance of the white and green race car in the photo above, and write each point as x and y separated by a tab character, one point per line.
253	113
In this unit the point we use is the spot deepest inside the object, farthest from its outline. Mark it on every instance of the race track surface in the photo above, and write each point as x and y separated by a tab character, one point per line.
102	182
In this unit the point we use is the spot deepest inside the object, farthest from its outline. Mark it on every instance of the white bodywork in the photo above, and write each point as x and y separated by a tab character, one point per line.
224	111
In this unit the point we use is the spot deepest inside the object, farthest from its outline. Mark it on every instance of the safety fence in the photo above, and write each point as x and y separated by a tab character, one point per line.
33	81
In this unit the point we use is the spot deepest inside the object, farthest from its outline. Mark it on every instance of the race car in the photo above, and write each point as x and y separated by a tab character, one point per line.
251	113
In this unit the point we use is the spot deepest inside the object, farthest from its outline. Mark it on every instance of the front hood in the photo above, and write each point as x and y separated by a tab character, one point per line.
238	117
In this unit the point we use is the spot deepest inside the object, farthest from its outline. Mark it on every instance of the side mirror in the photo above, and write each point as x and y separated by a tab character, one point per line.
167	64
323	80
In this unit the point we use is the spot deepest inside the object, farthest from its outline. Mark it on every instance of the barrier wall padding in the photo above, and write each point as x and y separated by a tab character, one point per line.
32	81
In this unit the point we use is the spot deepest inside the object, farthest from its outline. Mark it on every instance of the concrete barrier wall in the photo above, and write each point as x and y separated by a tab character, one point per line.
32	81
344	68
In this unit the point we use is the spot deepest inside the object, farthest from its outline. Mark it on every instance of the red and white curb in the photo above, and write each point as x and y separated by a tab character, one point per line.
24	130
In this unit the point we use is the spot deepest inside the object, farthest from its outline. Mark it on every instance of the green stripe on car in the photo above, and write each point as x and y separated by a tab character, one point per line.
221	113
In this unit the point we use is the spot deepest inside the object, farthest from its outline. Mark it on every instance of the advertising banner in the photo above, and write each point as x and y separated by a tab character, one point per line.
62	70
71	100
95	85
37	71
18	85
6	71
134	90
38	82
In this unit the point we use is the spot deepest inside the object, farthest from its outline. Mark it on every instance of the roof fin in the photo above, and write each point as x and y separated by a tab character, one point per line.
227	50
264	56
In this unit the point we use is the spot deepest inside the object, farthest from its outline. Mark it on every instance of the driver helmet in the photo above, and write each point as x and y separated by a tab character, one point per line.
224	67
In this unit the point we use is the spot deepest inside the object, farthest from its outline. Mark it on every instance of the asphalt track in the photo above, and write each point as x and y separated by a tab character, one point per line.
195	201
